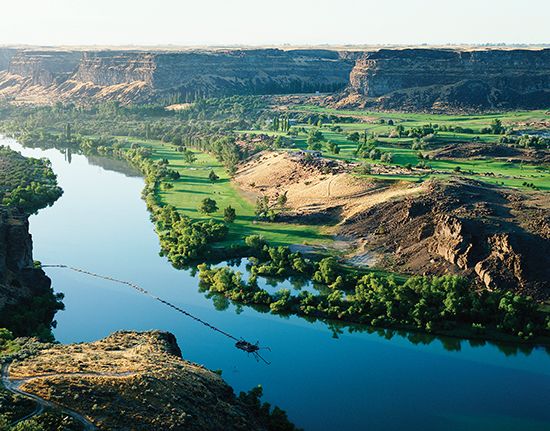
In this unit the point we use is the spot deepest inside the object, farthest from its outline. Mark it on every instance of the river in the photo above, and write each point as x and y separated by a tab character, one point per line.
325	379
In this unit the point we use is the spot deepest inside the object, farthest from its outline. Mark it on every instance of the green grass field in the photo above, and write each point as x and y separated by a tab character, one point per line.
194	185
413	119
506	174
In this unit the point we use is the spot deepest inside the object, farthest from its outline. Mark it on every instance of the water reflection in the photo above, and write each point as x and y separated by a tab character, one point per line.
326	375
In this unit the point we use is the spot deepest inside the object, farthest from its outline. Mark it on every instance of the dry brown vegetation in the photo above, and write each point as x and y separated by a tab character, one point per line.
134	381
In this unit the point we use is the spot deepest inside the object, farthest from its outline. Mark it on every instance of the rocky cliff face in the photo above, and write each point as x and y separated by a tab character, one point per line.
429	79
20	283
6	55
498	238
409	79
130	76
42	67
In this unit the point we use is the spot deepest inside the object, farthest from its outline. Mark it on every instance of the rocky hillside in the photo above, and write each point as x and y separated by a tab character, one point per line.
47	76
443	80
501	238
407	79
136	381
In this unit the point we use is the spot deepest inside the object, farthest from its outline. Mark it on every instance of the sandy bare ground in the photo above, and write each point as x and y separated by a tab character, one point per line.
311	189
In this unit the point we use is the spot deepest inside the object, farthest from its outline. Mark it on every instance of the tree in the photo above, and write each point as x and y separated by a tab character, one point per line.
386	157
212	176
256	242
400	130
327	272
189	156
208	206
354	137
496	127
374	154
282	200
262	209
68	132
229	214
333	148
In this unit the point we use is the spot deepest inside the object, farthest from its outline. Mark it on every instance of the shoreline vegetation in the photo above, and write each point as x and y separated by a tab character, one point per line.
444	305
27	301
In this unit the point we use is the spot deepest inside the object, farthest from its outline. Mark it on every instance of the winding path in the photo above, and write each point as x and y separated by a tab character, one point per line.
14	387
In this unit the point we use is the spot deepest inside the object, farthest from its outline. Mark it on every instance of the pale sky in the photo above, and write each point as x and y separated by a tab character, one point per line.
259	22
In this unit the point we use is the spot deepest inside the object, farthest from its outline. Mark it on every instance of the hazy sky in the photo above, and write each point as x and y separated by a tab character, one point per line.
255	22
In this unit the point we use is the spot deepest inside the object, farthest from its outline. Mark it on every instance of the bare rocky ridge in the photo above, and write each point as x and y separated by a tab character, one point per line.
466	227
133	381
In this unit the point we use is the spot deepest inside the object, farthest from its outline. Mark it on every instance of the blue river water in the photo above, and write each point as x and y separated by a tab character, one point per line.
326	377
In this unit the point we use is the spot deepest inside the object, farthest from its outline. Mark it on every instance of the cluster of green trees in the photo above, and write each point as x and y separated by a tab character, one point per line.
314	138
184	240
274	418
436	304
368	150
281	124
267	208
26	184
34	316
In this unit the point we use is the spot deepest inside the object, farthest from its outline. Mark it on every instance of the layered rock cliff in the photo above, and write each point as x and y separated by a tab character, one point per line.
429	79
401	79
27	303
132	76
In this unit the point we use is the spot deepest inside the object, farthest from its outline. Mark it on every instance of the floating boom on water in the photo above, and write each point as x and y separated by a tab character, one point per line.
245	346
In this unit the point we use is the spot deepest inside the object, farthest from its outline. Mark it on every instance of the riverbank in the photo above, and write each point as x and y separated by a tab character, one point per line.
140	374
186	241
370	362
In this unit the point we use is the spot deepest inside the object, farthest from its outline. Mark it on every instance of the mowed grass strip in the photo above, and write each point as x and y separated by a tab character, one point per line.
194	186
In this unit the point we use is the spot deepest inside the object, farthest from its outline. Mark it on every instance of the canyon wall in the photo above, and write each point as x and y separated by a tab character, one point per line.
428	79
27	302
401	79
138	76
42	67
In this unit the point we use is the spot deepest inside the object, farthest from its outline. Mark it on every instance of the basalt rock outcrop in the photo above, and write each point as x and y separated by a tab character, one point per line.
403	79
498	238
134	76
443	80
20	283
